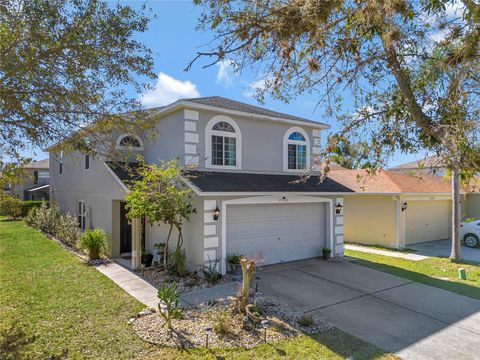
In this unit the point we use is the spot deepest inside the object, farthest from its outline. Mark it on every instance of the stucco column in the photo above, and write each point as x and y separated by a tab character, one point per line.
136	243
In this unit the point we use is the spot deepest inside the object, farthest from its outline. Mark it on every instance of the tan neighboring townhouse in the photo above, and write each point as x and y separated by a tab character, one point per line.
394	209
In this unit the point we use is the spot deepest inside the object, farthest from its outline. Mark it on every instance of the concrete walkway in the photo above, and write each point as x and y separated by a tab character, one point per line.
442	248
416	321
146	293
199	296
131	283
397	254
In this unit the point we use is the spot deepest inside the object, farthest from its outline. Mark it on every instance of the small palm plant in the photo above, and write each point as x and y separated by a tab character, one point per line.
169	304
94	242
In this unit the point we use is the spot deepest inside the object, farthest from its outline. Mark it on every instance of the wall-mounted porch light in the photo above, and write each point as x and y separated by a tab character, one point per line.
216	213
338	209
404	206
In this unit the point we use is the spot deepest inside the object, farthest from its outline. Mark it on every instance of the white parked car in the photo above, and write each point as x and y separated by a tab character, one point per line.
470	233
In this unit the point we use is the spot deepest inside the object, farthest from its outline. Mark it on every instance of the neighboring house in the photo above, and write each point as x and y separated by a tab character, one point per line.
432	165
245	161
35	185
395	210
429	165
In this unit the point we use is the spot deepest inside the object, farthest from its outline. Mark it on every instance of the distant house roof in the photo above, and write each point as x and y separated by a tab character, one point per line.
38	165
431	162
385	181
251	182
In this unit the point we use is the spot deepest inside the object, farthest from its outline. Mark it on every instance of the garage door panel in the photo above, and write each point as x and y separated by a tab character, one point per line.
427	221
276	232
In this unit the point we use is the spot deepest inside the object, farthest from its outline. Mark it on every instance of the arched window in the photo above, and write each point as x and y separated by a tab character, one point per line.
296	150
223	143
131	142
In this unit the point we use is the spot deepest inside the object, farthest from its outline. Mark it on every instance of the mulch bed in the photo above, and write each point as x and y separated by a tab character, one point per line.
190	330
158	276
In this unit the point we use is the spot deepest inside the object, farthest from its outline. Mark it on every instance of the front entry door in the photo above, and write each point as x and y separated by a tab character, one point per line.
125	231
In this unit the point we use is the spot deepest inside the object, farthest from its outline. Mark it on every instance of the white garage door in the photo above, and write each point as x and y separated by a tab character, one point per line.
427	221
276	232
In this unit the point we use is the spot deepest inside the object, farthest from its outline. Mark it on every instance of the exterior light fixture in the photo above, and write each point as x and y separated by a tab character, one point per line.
207	330
265	324
404	206
216	213
338	209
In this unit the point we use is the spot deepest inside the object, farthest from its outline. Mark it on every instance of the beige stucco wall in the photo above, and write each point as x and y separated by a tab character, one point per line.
370	219
473	205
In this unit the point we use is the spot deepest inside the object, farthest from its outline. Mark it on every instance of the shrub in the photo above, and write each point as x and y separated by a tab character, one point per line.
234	259
169	304
210	272
94	242
176	264
28	205
10	206
66	229
306	320
45	218
223	322
31	217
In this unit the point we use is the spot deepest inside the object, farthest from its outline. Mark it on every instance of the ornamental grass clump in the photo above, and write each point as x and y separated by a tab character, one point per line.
94	242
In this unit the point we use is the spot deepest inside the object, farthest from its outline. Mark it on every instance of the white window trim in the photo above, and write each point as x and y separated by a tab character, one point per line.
296	142
208	142
119	139
84	215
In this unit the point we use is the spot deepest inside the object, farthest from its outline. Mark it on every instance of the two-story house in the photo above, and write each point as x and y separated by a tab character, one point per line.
35	184
246	162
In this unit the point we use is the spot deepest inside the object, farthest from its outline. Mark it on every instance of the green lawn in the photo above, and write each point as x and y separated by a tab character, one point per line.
439	272
52	306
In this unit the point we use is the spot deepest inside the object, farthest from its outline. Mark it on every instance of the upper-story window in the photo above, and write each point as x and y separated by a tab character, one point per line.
296	150
129	142
223	143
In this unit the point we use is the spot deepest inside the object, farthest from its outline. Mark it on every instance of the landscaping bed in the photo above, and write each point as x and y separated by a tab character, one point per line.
227	325
158	276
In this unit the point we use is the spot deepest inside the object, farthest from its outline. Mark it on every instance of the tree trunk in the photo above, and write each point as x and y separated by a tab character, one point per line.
456	210
166	245
248	266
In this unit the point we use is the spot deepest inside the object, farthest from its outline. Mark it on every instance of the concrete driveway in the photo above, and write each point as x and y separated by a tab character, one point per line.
441	248
413	320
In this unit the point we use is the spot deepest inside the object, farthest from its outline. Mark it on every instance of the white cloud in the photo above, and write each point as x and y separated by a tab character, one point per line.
453	11
167	90
226	72
257	85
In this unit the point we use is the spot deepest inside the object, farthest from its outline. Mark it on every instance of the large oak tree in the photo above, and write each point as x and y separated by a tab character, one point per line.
64	65
410	67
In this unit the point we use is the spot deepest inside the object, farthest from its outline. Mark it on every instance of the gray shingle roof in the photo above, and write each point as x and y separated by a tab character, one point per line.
249	182
224	103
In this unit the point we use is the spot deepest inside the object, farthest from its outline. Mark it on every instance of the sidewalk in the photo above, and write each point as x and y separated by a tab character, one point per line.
199	296
131	283
397	254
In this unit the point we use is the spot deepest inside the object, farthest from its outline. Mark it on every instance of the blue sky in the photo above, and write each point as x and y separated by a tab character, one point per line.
174	40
